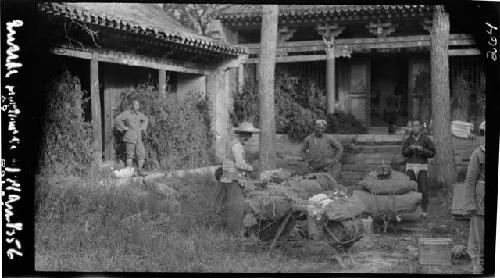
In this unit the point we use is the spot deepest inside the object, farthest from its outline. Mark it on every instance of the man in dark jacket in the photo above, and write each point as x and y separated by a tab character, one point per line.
417	148
474	206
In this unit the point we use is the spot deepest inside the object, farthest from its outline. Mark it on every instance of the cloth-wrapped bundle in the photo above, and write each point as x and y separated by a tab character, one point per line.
344	209
398	184
389	204
313	184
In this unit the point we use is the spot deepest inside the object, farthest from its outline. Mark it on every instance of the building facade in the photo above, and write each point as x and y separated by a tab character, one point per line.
113	47
370	59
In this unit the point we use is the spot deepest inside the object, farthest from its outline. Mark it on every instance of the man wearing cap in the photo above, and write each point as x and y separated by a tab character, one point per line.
474	206
133	123
417	148
318	151
234	169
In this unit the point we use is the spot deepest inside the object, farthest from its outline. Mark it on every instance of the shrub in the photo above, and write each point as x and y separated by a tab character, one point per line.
340	122
67	138
178	133
297	104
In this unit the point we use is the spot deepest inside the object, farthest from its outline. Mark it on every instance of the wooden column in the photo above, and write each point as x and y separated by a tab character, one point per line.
96	109
241	78
330	79
108	125
329	32
218	95
267	58
162	83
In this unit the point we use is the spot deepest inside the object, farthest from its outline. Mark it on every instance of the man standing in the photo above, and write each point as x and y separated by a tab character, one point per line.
318	151
235	169
474	206
417	148
133	123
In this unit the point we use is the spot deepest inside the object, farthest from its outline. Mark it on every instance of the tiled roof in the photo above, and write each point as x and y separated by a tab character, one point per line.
241	12
137	18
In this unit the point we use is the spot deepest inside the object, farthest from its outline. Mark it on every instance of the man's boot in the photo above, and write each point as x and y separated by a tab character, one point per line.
477	268
140	165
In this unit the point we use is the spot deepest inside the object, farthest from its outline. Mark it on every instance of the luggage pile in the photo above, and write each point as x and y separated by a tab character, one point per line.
386	198
269	205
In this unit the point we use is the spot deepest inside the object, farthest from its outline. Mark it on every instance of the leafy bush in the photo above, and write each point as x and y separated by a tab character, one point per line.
67	138
178	133
340	122
297	104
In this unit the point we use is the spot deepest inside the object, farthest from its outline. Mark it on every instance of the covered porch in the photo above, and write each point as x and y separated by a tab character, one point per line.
377	79
367	58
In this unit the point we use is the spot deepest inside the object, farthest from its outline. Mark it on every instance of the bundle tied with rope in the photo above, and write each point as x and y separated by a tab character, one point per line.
267	208
389	199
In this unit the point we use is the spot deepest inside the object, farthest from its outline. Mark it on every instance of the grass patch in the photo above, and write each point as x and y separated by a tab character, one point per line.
92	225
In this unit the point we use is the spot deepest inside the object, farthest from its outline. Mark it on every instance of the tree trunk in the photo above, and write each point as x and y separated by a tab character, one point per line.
444	161
267	57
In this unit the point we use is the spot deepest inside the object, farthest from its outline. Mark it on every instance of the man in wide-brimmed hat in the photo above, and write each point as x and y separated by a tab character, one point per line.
321	151
235	169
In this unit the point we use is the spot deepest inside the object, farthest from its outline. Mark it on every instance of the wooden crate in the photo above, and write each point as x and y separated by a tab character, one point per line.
434	251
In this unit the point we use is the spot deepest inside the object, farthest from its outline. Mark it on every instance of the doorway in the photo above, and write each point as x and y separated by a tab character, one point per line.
389	90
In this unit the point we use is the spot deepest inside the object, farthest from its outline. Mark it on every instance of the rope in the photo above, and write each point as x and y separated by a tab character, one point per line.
325	226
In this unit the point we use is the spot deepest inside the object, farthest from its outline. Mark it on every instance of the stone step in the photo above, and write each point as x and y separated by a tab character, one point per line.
370	158
376	148
365	168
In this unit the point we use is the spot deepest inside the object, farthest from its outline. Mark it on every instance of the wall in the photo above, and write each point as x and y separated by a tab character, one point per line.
191	83
219	100
365	154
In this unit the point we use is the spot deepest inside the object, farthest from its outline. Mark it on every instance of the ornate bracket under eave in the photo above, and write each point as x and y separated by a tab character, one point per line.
284	34
329	32
381	29
343	51
427	24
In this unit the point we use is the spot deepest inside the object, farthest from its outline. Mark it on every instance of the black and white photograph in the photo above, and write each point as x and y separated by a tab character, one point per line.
249	138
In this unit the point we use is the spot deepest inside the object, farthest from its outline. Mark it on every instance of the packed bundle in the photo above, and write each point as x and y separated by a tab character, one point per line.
335	208
397	184
389	204
395	196
269	204
275	176
313	184
266	209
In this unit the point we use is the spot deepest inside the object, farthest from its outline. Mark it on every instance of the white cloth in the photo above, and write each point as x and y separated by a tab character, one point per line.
416	167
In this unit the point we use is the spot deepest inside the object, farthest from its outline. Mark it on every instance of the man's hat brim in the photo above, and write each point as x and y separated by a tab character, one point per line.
238	130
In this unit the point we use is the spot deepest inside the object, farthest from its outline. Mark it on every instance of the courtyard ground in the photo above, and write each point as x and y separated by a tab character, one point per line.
95	225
